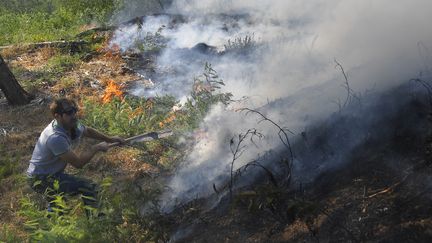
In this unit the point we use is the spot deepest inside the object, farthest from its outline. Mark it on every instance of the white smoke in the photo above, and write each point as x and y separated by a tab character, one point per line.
376	41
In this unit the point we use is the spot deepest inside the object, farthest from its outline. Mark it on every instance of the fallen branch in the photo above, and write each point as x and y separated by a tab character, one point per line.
389	189
57	44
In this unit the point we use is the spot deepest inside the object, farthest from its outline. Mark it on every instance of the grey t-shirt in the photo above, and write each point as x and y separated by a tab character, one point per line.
53	142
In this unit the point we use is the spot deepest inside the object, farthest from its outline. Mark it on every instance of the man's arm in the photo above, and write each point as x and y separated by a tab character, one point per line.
93	133
85	157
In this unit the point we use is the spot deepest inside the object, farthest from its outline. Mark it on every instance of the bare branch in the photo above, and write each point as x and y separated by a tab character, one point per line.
350	92
286	142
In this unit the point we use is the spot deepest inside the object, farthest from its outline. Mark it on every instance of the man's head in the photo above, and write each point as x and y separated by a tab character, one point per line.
65	112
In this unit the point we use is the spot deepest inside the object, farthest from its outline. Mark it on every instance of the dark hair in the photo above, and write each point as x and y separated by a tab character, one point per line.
57	106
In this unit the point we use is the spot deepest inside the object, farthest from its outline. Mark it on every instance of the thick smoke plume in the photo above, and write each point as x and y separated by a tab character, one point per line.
288	71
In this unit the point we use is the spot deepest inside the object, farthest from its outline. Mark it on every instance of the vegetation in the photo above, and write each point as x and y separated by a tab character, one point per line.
24	21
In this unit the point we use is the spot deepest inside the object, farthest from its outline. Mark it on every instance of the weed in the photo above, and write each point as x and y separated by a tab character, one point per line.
240	44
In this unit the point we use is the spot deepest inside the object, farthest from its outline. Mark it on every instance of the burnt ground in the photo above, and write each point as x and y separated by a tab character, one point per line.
380	193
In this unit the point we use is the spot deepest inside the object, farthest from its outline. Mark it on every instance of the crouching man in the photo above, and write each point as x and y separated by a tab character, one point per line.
54	150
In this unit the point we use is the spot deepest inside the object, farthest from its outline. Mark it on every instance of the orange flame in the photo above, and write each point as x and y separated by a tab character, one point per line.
112	52
111	91
167	120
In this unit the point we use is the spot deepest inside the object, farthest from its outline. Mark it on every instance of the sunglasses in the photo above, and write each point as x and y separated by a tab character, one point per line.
70	111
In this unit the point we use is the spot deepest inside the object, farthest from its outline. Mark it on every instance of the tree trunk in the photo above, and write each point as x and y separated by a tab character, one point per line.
14	93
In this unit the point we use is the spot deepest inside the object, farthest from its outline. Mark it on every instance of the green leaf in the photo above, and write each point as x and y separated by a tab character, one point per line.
56	185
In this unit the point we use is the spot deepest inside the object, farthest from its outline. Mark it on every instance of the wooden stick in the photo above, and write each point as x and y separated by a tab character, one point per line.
149	135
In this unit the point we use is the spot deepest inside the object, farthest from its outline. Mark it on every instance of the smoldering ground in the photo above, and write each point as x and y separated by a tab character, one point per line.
288	72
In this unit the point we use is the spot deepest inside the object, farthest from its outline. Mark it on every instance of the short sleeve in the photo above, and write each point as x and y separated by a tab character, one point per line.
58	144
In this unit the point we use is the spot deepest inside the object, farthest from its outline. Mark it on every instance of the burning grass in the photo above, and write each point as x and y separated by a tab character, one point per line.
112	90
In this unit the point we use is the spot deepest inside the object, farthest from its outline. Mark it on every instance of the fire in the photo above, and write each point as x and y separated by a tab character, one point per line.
112	90
112	52
167	120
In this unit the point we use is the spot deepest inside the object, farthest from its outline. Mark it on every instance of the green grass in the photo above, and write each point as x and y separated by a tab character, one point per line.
45	20
49	74
8	164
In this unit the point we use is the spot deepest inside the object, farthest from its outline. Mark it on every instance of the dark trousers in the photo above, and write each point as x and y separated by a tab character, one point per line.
67	184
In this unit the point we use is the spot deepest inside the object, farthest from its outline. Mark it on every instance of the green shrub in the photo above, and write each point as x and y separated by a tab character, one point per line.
120	221
128	116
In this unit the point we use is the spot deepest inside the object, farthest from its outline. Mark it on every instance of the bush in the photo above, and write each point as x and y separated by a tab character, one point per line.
129	115
120	221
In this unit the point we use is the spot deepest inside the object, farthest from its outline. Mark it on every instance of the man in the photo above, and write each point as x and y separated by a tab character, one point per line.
54	150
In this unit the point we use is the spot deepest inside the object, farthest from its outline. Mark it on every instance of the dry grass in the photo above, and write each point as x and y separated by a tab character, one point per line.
34	60
14	51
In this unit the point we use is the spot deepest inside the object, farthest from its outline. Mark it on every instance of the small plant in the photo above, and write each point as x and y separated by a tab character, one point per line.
241	44
152	41
204	95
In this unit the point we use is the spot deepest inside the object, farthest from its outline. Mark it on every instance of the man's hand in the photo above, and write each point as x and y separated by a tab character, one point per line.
116	139
78	161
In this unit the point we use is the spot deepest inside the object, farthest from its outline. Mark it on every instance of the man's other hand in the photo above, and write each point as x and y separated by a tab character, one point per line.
104	146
